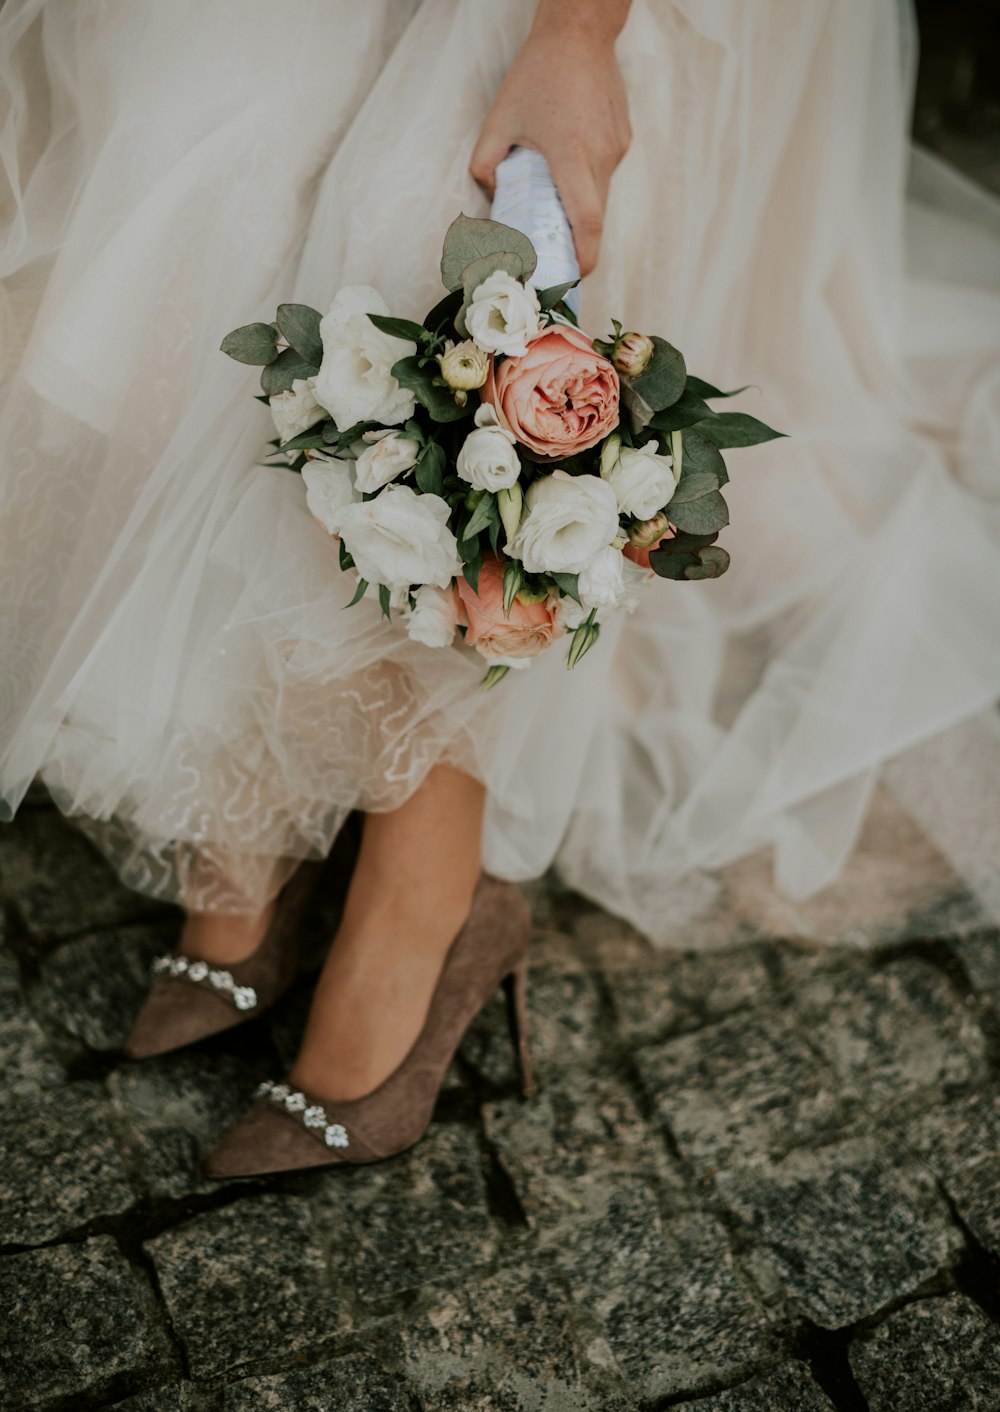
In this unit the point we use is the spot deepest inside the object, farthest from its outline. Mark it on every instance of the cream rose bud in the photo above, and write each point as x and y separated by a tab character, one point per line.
464	366
632	354
487	459
433	618
602	582
510	503
330	489
296	410
401	538
355	381
386	455
649	532
641	478
569	520
503	314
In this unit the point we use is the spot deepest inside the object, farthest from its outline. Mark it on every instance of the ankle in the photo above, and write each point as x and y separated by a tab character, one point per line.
222	938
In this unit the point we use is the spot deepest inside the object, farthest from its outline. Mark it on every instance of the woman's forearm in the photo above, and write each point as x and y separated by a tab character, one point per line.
602	18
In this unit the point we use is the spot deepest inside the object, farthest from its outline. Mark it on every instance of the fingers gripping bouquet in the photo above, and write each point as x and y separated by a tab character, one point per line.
493	471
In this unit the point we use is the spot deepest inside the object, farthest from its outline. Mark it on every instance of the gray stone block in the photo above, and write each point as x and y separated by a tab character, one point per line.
173	1108
415	1219
247	1283
75	1319
788	1389
675	991
173	1397
60	883
936	1355
847	1227
568	1147
960	1142
747	1085
676	1313
512	1343
60	1165
564	1017
90	989
897	1033
27	1064
357	1384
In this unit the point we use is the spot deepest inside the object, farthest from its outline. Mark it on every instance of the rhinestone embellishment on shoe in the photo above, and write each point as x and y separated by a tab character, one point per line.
311	1115
244	997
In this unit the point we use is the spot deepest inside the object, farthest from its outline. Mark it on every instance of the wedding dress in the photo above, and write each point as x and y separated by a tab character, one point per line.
175	660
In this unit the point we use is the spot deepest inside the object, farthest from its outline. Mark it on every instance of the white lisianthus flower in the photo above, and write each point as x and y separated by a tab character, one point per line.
569	520
567	614
487	459
433	618
464	366
355	381
641	478
401	538
330	489
503	314
386	455
602	582
296	410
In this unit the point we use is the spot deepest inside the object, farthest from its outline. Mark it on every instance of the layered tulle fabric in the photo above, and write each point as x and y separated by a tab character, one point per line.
176	657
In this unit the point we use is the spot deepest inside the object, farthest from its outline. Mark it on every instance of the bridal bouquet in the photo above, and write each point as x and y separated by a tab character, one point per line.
493	471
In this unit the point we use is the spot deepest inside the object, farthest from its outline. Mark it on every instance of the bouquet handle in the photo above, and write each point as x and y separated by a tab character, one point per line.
526	198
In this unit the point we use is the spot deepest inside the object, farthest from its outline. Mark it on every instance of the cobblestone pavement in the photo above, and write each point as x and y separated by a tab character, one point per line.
759	1177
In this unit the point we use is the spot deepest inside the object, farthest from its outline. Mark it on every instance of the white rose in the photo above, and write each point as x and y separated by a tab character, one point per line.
386	456
401	538
355	381
503	314
487	459
569	520
642	479
433	619
296	410
602	582
330	489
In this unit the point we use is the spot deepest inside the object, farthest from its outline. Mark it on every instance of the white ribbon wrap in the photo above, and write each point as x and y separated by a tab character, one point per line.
526	198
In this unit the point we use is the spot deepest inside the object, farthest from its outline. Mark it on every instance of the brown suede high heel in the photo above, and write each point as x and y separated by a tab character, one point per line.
287	1129
191	999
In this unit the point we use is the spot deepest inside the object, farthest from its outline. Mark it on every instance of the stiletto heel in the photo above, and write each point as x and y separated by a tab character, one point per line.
515	984
288	1129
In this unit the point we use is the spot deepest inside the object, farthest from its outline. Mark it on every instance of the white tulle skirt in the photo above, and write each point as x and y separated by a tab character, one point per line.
175	659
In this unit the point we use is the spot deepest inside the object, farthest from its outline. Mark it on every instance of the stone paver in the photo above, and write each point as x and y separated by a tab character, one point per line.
27	1063
961	1144
846	1227
788	1389
76	1319
357	1384
248	1283
935	1355
60	1164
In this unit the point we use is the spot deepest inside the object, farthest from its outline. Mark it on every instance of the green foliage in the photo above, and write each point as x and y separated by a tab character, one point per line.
256	344
487	512
697	506
659	387
494	675
705	389
700	454
286	369
439	401
513	579
384	598
568	584
299	325
400	328
444	311
359	593
584	638
689	556
736	429
429	470
467	240
555	294
688	409
306	440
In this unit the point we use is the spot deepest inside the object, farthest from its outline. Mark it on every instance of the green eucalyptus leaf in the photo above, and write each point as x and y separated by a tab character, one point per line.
688	409
468	239
555	293
256	344
639	410
485	265
569	584
385	599
300	326
482	516
663	381
287	368
429	469
444	311
305	440
736	429
346	558
703	513
700	454
689	557
400	328
359	593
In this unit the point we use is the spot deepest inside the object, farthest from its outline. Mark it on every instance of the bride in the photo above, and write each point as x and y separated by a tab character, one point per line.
176	666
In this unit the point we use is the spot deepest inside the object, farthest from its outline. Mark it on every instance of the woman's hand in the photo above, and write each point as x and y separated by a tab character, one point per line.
564	96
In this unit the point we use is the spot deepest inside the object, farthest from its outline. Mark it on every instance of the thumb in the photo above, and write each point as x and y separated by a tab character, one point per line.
488	153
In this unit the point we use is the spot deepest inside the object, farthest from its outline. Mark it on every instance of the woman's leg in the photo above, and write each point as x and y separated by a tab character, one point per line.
410	894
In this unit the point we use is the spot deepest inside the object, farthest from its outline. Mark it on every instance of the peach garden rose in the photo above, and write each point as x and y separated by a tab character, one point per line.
558	398
509	638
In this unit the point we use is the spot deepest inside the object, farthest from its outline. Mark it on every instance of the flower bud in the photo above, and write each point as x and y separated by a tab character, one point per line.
528	595
464	366
649	532
510	502
632	354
